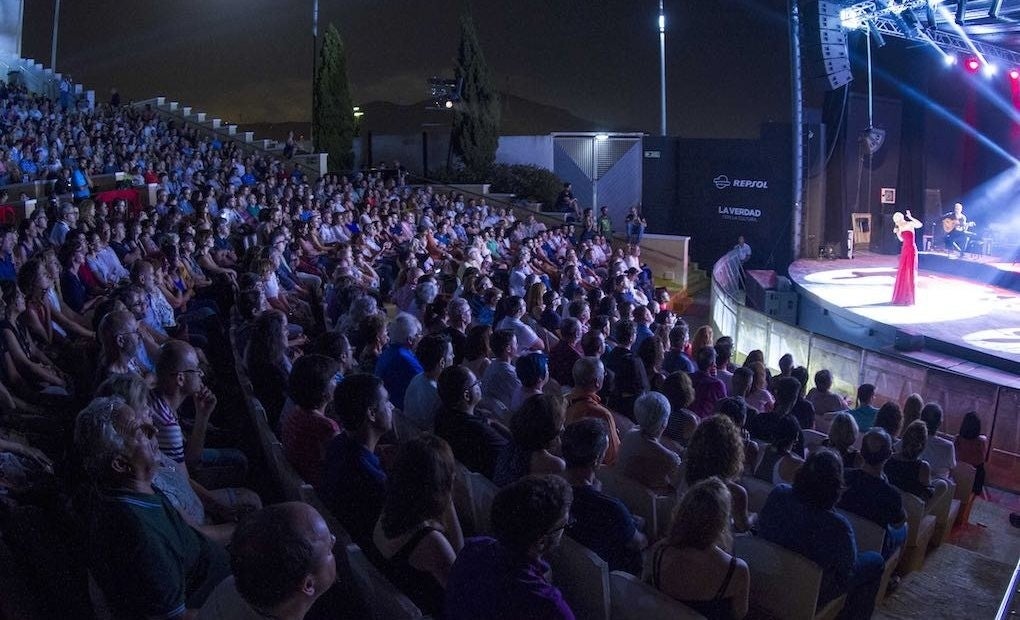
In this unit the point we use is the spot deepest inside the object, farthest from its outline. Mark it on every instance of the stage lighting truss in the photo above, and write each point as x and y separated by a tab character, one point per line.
863	14
897	18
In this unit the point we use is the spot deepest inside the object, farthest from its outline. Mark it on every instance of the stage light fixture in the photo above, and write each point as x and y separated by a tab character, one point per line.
876	37
949	60
1014	74
601	137
990	70
961	12
973	64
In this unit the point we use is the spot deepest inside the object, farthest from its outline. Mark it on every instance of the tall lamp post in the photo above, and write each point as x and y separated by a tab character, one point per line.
662	70
53	41
315	48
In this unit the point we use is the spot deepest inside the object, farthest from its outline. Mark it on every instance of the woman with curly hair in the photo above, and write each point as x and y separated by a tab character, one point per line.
704	337
717	449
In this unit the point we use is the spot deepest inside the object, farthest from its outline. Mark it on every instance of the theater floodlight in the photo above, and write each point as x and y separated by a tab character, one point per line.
990	70
949	59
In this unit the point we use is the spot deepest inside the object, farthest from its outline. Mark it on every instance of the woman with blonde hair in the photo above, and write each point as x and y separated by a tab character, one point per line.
759	397
692	564
534	301
912	409
842	437
704	337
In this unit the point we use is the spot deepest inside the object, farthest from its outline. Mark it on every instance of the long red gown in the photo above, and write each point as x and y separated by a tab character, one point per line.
903	289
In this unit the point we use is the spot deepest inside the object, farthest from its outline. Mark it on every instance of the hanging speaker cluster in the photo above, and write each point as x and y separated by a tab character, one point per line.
823	45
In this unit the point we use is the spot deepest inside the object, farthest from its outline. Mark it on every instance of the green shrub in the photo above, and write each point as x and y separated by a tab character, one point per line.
526	181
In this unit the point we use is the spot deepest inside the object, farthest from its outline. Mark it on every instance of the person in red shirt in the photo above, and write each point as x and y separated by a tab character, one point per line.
307	430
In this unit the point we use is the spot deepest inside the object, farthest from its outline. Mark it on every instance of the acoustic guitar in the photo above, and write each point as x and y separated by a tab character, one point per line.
949	225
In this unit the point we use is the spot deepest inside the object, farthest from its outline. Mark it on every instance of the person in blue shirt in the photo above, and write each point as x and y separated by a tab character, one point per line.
353	480
8	239
802	519
865	412
80	181
397	364
601	522
869	494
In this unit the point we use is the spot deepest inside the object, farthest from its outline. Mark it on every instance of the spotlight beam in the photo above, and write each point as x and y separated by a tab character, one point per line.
959	31
942	112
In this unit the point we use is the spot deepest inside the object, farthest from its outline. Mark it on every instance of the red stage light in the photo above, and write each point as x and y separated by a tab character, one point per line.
973	64
1014	74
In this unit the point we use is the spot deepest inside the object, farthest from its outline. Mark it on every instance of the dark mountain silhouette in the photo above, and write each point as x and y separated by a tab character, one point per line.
520	117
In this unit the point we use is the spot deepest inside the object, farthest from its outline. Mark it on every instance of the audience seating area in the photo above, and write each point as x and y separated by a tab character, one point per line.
474	410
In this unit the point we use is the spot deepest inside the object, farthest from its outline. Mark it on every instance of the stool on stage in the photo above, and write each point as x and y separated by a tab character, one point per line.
928	243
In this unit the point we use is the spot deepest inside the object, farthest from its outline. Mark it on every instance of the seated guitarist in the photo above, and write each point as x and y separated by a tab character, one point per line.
956	226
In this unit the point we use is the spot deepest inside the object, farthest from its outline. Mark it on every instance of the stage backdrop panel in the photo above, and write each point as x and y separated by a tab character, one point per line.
784	339
1004	462
959	394
893	379
722	189
843	360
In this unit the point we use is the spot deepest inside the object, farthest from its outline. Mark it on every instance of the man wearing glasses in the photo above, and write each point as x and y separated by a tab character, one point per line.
505	576
68	220
178	378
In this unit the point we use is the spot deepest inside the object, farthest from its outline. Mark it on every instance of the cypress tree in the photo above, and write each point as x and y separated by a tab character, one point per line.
476	119
333	110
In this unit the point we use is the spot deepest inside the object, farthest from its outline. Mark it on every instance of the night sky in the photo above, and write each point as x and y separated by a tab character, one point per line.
249	61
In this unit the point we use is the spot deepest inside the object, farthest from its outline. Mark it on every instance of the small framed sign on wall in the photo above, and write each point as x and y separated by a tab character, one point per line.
888	195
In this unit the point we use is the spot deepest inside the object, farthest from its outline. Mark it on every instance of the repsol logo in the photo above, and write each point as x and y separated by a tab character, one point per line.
739	211
722	182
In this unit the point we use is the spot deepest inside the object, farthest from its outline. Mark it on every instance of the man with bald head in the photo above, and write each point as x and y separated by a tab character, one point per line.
119	337
869	495
282	561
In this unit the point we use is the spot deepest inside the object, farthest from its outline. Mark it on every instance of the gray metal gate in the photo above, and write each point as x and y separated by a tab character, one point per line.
605	170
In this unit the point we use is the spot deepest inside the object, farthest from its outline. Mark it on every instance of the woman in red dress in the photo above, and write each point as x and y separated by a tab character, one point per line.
903	289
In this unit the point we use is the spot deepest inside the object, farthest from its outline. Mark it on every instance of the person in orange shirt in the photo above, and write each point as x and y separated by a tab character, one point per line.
584	402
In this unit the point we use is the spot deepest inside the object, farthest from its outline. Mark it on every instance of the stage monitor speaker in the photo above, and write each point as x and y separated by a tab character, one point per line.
908	341
825	55
932	203
833	250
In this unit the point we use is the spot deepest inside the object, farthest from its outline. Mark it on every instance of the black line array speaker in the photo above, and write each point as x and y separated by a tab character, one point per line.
824	51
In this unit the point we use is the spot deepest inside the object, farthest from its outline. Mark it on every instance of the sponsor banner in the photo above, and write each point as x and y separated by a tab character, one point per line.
715	191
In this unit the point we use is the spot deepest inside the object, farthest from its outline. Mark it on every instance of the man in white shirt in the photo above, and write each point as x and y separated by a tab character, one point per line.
940	453
743	250
500	380
527	339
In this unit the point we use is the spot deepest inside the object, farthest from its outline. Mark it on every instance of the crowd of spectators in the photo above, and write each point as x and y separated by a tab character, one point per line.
535	355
